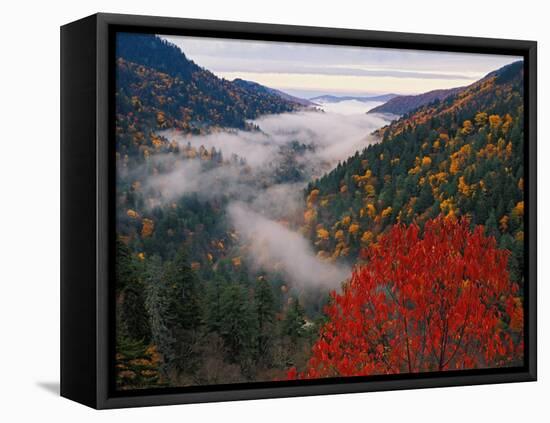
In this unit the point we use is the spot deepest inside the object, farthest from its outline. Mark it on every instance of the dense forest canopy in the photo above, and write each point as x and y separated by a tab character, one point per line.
159	88
236	267
459	157
432	301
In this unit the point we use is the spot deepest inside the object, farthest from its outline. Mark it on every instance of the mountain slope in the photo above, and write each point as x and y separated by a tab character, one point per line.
399	105
482	94
460	157
155	53
254	86
336	99
158	87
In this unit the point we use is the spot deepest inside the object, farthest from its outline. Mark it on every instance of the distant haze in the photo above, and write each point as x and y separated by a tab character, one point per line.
350	107
308	70
336	136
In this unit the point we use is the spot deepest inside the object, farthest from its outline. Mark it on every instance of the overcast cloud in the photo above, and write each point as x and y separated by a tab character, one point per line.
311	69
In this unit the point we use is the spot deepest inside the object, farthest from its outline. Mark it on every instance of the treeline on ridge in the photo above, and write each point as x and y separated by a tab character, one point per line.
459	157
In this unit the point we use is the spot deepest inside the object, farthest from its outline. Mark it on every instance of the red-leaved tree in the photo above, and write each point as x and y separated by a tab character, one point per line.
431	300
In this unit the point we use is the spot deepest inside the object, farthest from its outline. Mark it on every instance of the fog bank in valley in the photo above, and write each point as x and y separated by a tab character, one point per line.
272	244
350	107
334	137
310	142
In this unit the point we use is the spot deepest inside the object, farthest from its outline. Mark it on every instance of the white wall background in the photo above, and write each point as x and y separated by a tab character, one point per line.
29	212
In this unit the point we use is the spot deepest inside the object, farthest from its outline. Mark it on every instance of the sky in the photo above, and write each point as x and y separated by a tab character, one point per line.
308	70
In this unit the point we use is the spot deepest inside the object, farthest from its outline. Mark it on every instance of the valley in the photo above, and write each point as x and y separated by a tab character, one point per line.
243	212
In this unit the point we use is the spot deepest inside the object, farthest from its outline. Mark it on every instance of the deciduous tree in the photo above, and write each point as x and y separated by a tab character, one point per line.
432	301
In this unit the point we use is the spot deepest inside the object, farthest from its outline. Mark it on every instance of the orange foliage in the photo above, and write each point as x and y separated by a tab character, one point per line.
353	228
147	228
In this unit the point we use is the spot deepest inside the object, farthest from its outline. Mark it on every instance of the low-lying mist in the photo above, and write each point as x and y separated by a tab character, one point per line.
265	188
350	107
274	245
335	137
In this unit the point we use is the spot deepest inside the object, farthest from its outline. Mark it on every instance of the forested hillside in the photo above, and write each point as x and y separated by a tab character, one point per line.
433	219
159	88
401	104
190	310
459	157
204	295
254	86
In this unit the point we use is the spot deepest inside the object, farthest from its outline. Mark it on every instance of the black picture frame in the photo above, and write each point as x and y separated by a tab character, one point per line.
87	216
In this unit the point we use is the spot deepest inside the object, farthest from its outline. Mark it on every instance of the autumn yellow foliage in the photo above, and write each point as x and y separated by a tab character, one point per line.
132	214
446	206
371	210
463	187
458	159
367	237
519	236
309	216
508	120
467	127
353	228
481	119
312	197
386	212
147	228
518	209
503	223
494	121
161	118
322	233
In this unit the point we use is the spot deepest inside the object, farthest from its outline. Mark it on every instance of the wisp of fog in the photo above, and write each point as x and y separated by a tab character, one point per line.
274	245
259	201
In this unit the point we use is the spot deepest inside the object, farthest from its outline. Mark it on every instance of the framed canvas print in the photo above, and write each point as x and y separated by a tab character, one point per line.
255	211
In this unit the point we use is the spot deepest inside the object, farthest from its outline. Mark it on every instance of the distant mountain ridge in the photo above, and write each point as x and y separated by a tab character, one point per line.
462	156
251	85
479	94
399	105
328	98
403	104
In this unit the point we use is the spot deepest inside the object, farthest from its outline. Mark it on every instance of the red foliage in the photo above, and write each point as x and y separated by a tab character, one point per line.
438	301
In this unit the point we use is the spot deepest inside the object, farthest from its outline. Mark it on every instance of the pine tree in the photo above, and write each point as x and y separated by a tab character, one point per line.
265	311
157	308
212	306
137	365
174	307
294	321
132	319
238	324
